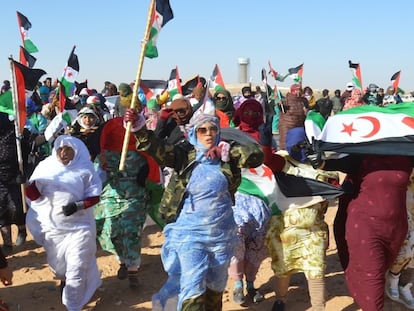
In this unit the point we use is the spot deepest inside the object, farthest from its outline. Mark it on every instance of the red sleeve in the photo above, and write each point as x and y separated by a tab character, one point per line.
91	201
32	192
274	161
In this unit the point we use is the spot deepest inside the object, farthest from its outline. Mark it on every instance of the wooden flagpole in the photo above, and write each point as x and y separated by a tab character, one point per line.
17	130
136	85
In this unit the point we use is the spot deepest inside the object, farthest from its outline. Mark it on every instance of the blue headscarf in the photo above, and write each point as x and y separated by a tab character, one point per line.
295	137
195	123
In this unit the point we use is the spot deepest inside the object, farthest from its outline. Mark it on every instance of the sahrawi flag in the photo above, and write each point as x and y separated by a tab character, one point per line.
260	182
26	80
24	26
395	80
161	16
314	123
369	130
26	58
174	83
356	74
275	74
217	79
296	73
67	82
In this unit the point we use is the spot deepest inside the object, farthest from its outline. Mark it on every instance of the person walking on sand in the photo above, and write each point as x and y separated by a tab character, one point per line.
199	239
62	190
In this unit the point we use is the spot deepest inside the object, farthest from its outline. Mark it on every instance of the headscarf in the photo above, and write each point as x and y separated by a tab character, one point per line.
247	122
87	110
81	158
192	135
125	89
295	141
31	106
226	106
354	100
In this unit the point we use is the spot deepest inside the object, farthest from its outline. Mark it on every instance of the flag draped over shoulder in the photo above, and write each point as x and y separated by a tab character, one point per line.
260	182
217	79
25	80
356	74
395	80
296	73
26	58
369	130
24	26
161	16
70	74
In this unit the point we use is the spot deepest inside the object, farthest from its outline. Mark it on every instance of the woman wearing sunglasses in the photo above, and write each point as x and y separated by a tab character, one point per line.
200	235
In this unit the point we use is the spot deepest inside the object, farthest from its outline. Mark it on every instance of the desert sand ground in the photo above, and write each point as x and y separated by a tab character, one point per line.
35	289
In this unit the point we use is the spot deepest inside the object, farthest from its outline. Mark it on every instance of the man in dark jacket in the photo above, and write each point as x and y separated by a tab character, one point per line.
324	104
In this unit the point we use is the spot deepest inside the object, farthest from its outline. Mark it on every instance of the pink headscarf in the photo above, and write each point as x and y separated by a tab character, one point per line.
354	100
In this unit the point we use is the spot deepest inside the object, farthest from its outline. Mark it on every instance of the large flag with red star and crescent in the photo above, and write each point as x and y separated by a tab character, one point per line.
365	130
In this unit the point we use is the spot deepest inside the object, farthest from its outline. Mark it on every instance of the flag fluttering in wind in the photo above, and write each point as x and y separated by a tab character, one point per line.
174	83
277	96
25	79
296	73
67	82
264	77
356	74
24	26
395	80
146	90
161	16
276	75
26	58
368	129
191	84
217	79
151	88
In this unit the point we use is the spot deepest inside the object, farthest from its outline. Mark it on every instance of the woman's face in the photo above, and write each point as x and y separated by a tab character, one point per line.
65	154
89	120
206	134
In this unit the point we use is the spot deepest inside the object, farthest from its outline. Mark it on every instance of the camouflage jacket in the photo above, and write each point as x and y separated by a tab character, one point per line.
181	157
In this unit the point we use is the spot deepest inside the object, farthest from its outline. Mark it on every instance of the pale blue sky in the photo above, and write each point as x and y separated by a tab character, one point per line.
322	34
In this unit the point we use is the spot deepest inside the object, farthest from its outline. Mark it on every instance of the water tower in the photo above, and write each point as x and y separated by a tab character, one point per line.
243	69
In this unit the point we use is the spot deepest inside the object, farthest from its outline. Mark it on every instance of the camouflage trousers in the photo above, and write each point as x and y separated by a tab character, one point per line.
121	235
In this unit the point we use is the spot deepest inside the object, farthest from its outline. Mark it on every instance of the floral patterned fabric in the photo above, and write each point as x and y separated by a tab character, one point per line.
297	241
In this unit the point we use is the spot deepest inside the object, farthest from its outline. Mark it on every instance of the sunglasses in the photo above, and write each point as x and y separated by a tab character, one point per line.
211	129
221	98
180	111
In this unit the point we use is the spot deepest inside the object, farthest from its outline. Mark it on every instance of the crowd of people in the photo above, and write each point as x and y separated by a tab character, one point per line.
221	165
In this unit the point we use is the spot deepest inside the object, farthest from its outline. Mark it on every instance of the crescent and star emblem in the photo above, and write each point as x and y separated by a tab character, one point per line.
349	128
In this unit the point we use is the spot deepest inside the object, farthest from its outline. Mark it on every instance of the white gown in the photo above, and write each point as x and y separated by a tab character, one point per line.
69	241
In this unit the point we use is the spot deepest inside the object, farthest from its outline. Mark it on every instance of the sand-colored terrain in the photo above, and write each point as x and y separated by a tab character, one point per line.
35	289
